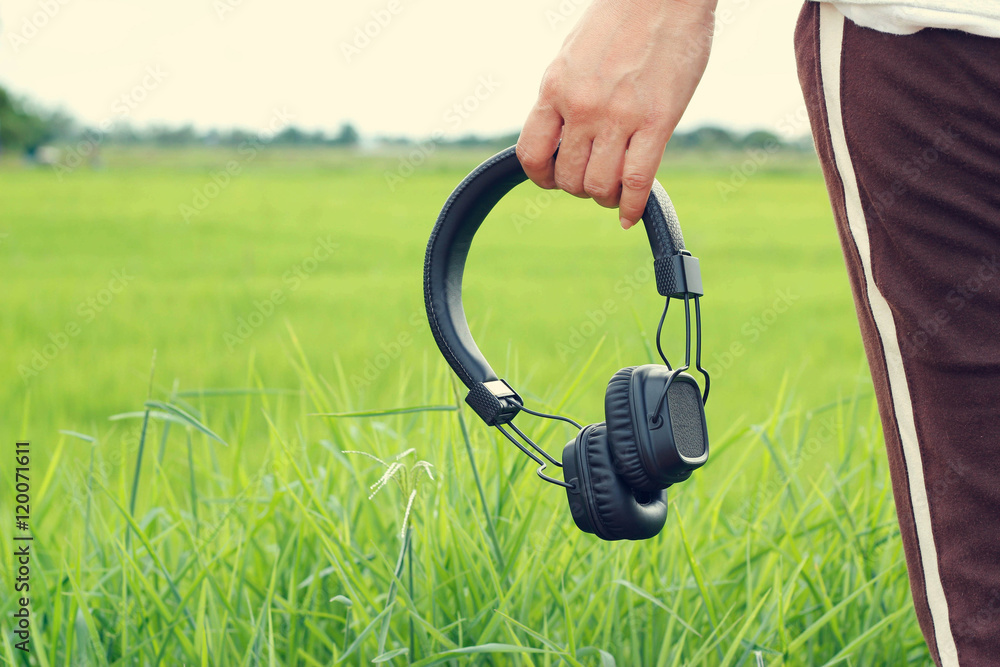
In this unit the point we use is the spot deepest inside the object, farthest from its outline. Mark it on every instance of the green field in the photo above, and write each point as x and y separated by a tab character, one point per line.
295	288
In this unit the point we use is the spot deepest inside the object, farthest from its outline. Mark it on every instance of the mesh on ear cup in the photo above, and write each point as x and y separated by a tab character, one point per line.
613	510
621	436
687	419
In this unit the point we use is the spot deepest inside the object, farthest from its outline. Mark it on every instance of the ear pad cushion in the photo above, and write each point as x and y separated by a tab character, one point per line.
579	499
601	502
621	434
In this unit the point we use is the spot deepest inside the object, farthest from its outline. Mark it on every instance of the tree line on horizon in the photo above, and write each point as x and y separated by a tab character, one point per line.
25	126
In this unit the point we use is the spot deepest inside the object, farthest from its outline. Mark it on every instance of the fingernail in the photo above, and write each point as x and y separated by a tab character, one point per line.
626	223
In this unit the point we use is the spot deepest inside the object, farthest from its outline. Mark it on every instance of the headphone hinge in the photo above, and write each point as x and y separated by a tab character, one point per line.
495	401
677	276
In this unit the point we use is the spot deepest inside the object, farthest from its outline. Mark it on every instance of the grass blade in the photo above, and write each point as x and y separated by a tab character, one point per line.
385	413
186	418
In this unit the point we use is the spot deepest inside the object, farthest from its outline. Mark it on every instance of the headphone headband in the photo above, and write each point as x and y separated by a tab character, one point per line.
677	274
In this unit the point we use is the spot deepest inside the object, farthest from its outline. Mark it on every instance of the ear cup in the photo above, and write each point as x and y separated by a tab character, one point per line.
601	502
579	498
653	455
621	432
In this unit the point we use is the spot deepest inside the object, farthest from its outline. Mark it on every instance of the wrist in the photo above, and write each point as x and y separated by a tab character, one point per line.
647	14
666	6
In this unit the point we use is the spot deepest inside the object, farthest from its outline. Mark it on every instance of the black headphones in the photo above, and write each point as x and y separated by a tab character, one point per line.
615	473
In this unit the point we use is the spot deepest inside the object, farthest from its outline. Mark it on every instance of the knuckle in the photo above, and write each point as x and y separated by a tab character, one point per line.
583	103
581	108
635	180
654	119
610	201
599	191
551	86
569	185
528	160
625	116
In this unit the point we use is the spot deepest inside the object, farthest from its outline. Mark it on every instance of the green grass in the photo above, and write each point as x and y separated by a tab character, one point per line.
159	544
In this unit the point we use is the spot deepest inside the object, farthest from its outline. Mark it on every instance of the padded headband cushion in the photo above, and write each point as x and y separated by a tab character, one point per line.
612	510
621	432
448	249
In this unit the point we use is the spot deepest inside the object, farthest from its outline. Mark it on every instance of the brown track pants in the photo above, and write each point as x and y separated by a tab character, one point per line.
907	129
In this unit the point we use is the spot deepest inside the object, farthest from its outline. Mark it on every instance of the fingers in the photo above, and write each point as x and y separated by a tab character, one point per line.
603	180
601	168
571	163
645	150
537	144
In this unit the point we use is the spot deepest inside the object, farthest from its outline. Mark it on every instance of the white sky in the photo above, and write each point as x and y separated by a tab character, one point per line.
227	63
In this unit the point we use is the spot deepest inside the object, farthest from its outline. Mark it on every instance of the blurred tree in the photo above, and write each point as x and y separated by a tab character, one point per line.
761	139
235	137
174	136
508	139
291	135
467	141
348	136
394	141
22	126
705	138
122	132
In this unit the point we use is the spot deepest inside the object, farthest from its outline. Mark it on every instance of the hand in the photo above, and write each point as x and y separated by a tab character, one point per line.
612	97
